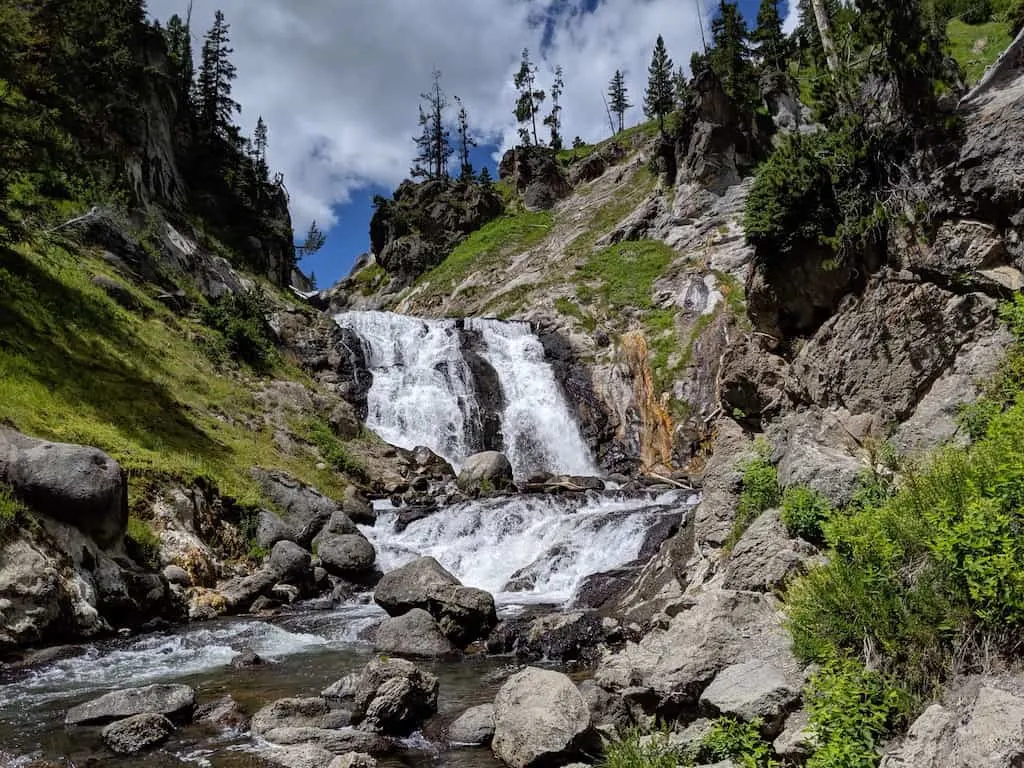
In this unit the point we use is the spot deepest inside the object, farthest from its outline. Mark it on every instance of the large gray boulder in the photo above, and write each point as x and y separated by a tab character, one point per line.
342	548
751	690
464	614
288	563
488	470
300	756
394	697
176	702
301	511
76	484
297	712
474	726
540	718
765	557
412	634
35	602
137	734
332	739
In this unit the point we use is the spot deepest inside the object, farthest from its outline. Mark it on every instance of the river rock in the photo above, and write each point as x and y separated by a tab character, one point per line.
77	484
303	756
136	734
346	555
297	712
571	636
412	634
225	713
288	563
353	760
345	688
485	471
394	696
177	576
358	509
463	613
332	739
540	718
34	600
474	726
302	510
177	702
751	690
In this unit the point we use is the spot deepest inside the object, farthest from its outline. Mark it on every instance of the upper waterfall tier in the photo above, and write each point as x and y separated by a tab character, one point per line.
434	384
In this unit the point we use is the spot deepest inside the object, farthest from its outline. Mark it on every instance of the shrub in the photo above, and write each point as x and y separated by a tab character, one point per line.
142	544
851	710
760	491
11	509
636	750
803	512
241	320
740	742
332	449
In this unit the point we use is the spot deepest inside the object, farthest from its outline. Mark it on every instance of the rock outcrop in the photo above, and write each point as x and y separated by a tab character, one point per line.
536	175
485	471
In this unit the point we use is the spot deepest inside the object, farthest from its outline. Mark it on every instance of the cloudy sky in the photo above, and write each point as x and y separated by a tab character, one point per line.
338	82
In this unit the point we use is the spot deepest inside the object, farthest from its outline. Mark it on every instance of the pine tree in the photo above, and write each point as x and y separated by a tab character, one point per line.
315	240
466	142
485	178
529	98
259	144
433	145
618	99
772	48
729	57
178	37
554	120
659	98
680	88
216	72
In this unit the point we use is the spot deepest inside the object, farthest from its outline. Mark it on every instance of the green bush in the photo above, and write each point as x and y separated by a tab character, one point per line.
803	512
733	740
241	321
851	709
635	750
11	509
760	491
332	449
142	544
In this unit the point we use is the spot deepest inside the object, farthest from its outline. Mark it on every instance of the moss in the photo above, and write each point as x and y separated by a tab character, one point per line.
142	544
370	279
11	511
570	308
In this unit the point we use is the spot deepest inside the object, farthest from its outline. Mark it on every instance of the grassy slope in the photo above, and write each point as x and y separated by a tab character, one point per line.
77	367
977	46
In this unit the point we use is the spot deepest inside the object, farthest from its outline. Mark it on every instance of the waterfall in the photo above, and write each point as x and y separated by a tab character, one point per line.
424	391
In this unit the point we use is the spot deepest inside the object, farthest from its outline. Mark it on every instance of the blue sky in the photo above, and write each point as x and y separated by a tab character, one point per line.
338	84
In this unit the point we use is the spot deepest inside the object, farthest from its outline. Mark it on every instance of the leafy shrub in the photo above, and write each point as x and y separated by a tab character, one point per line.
11	509
803	512
332	449
142	544
241	320
636	750
740	742
760	492
851	711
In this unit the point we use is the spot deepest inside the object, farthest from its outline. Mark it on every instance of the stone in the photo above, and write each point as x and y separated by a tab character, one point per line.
137	733
536	174
303	510
412	634
474	726
488	471
35	601
176	702
394	696
247	658
540	717
358	509
353	760
178	576
750	690
796	742
297	712
402	589
332	739
289	562
345	688
225	713
346	554
927	744
303	756
76	484
765	557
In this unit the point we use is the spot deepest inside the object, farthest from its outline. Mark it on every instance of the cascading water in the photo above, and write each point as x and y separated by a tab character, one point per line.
423	391
540	433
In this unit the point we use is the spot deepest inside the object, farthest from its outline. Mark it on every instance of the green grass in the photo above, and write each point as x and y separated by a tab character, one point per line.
143	545
963	39
488	246
760	491
623	275
11	510
570	308
370	279
77	367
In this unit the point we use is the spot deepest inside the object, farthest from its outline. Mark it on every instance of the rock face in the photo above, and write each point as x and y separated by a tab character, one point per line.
536	175
474	726
394	696
489	470
539	718
34	600
463	613
412	634
76	484
136	734
173	701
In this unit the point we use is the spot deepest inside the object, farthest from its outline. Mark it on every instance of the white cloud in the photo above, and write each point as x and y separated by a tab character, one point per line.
792	20
338	82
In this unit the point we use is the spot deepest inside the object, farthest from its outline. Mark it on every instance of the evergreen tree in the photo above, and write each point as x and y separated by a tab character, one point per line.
178	37
466	142
729	56
772	48
554	120
315	240
216	72
485	178
618	99
433	145
659	97
529	98
259	146
680	88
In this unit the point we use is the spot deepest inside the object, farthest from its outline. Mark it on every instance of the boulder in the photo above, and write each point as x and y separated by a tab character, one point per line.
35	602
303	756
177	576
288	563
394	696
301	510
353	760
412	634
536	174
571	636
540	718
796	742
488	470
463	613
474	726
297	712
345	554
225	713
765	557
176	702
751	690
137	734
77	484
358	509
345	688
332	739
